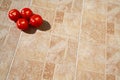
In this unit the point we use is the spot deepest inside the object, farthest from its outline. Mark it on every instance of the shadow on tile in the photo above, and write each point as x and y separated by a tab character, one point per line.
44	27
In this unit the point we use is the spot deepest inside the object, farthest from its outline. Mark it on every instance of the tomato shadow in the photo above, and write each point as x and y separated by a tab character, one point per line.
31	30
44	27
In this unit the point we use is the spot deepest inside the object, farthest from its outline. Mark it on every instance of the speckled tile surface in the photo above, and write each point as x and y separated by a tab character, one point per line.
79	40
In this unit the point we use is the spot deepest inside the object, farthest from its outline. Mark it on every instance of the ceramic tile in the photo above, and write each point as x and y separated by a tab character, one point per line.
48	71
1	2
52	4
113	49
2	15
87	75
65	5
113	18
34	46
59	17
91	52
18	4
71	53
118	77
68	27
57	49
26	70
65	71
113	61
3	33
77	6
5	5
110	77
7	51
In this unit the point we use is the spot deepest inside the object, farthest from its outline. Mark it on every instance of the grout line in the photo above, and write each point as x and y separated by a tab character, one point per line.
106	40
72	5
30	3
79	39
13	59
48	48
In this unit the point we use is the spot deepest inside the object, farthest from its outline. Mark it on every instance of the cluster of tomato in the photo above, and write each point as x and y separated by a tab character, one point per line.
25	18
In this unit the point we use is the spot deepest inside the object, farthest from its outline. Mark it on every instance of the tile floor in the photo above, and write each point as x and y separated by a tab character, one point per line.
81	43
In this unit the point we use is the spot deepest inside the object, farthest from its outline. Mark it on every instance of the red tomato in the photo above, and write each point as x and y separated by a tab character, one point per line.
22	24
14	14
36	20
26	13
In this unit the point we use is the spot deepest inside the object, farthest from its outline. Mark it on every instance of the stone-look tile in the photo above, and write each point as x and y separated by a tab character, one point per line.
2	17
113	39
113	18
7	51
59	17
47	14
87	75
3	33
98	6
18	4
57	49
91	57
113	50
110	77
52	4
23	69
5	5
48	71
1	2
71	52
66	70
69	27
77	6
91	54
65	5
118	78
34	46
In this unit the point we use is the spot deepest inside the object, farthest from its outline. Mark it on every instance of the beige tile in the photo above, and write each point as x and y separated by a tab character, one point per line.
110	77
18	4
77	6
59	16
71	53
65	71
48	71
65	5
91	52
52	4
113	40
7	51
118	78
113	17
4	30
24	69
2	17
69	27
57	49
110	28
34	46
94	27
5	5
87	75
113	60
